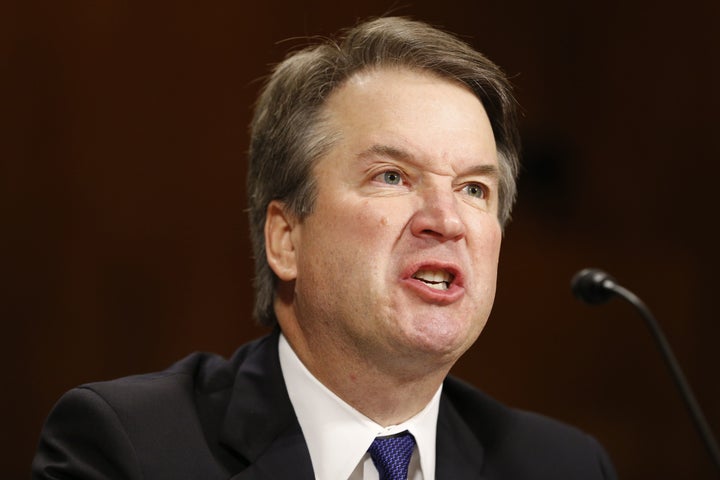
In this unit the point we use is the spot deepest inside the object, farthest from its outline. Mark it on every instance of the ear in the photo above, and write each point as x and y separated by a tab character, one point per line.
279	246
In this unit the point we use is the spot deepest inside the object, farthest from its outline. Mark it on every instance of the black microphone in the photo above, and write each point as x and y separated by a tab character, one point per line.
593	287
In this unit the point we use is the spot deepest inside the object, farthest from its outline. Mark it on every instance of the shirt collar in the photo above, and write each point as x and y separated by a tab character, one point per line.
336	434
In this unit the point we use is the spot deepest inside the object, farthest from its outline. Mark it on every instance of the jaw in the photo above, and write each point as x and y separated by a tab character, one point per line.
437	331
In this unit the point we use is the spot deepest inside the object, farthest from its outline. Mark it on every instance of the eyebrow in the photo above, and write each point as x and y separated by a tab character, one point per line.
400	154
485	170
386	151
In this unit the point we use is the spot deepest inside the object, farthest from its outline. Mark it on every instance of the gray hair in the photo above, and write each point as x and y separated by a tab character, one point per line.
288	133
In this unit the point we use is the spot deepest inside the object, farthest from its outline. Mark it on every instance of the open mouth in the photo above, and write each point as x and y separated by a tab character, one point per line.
436	279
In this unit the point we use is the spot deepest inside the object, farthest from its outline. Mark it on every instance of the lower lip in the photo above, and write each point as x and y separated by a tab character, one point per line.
431	295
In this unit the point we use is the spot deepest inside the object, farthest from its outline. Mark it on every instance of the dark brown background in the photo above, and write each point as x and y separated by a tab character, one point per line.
124	243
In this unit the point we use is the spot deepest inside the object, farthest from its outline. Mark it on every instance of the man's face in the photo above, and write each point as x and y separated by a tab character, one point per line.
398	260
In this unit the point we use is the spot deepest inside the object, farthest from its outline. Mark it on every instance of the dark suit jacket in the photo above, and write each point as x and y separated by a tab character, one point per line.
208	418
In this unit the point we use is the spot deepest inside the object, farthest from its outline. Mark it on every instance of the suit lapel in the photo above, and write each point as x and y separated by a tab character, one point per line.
286	457
260	424
459	454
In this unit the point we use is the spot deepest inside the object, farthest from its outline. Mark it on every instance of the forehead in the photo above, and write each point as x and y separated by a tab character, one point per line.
414	110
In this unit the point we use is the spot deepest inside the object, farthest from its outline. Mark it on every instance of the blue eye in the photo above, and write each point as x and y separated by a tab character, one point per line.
475	190
392	177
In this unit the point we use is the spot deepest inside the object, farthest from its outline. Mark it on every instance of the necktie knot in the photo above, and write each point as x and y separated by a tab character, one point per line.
391	455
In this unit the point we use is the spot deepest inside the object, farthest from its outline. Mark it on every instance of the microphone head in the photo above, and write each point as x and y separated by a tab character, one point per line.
592	286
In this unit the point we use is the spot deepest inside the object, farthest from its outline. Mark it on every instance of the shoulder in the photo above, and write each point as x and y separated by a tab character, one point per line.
173	389
170	396
122	428
493	421
523	444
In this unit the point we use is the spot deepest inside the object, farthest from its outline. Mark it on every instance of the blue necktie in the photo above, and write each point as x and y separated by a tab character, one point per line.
391	455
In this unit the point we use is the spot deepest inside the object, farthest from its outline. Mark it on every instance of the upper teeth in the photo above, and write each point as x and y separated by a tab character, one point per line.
435	278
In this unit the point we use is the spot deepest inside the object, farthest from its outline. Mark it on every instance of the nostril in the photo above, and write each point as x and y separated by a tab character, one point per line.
431	233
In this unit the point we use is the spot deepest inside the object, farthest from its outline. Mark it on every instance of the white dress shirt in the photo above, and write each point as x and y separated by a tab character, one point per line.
338	436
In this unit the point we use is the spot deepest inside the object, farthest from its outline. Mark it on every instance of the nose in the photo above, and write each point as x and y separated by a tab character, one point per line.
438	216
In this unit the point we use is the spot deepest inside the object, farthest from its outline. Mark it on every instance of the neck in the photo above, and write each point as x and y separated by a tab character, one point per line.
389	391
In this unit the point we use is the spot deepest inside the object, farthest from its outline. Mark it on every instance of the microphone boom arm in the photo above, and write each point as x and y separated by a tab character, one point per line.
672	363
593	287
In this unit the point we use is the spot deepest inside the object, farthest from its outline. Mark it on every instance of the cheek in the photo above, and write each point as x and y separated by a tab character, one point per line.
494	242
347	234
486	245
370	220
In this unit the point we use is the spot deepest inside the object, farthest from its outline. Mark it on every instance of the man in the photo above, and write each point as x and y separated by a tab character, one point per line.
382	170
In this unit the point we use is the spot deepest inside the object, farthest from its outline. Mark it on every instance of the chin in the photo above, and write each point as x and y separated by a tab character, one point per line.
443	339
